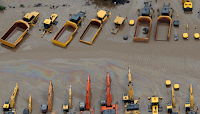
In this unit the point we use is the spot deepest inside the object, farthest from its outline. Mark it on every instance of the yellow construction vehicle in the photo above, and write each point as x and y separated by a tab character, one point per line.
19	29
66	107
95	25
131	104
32	18
144	19
8	106
187	5
48	24
189	105
48	106
155	106
119	21
29	110
170	106
164	18
70	28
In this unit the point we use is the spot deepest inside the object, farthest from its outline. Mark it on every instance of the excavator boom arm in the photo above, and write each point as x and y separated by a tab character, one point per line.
108	89
50	96
30	108
173	98
88	94
191	97
70	96
130	91
12	101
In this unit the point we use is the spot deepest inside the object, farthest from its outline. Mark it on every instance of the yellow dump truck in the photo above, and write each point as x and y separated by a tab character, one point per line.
95	25
18	30
166	19
144	23
68	30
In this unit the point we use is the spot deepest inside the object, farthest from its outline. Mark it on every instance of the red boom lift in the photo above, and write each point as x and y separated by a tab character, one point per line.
85	106
106	106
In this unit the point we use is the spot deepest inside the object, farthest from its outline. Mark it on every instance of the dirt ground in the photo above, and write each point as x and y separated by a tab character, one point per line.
36	61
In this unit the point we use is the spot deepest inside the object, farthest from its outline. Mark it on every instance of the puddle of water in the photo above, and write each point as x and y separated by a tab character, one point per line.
90	33
140	31
163	29
66	34
15	35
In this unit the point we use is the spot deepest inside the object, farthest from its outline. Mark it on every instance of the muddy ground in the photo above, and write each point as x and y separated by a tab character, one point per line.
36	61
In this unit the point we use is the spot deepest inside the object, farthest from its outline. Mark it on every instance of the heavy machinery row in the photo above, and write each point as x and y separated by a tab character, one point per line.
71	27
131	103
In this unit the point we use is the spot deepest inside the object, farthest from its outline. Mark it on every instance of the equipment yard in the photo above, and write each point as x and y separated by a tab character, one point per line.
35	60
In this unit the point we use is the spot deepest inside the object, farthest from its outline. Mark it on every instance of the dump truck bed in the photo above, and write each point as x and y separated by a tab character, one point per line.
163	25
65	35
93	30
143	22
15	34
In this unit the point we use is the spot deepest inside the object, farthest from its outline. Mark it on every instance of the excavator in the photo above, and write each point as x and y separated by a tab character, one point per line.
187	5
65	105
131	104
8	106
170	106
189	105
106	106
85	106
28	110
155	106
45	107
48	24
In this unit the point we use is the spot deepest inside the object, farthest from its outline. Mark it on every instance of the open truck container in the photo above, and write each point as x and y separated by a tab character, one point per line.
68	30
163	19
95	25
93	22
19	29
142	20
68	25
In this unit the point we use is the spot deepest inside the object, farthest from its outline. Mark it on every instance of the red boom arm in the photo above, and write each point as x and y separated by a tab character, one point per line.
108	95
88	94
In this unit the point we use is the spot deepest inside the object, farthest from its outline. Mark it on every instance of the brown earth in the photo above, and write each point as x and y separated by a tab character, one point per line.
36	61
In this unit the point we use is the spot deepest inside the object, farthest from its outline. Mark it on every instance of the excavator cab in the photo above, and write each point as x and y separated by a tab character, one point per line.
187	106
47	23
65	107
6	106
26	111
44	108
103	101
169	108
187	6
82	106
